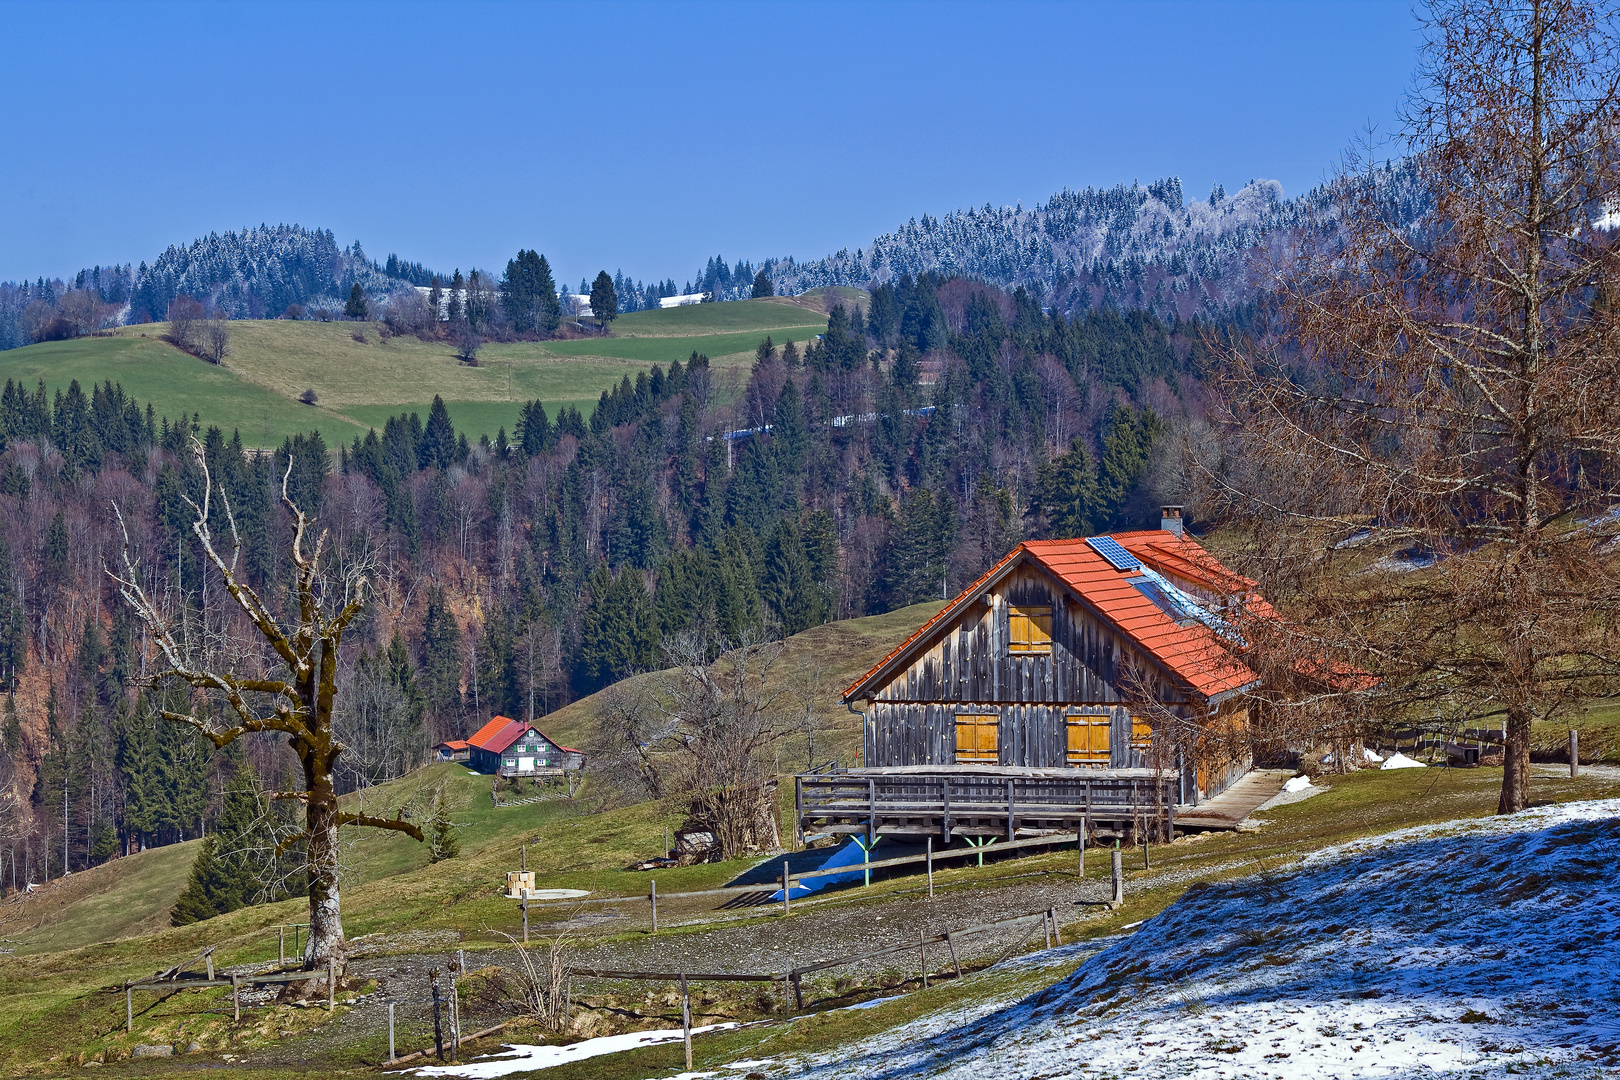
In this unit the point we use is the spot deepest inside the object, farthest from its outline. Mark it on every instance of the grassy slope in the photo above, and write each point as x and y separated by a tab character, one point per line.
361	384
46	1003
109	924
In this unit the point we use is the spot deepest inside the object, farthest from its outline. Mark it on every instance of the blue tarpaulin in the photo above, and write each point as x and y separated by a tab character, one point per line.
848	855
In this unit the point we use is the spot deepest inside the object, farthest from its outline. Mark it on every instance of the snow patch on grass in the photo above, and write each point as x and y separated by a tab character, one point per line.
1477	947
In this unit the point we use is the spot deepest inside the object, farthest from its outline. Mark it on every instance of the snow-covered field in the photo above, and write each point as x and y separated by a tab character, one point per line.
1475	948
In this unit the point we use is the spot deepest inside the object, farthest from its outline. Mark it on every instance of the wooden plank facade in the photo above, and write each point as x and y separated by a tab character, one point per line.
1041	697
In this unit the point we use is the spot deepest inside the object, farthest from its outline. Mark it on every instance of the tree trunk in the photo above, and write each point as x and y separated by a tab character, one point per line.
321	821
1515	764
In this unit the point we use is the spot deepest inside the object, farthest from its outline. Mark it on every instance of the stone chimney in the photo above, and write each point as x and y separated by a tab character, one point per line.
1170	520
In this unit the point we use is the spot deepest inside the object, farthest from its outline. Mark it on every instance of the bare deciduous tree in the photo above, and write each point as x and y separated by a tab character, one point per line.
214	342
185	313
292	690
702	735
1443	395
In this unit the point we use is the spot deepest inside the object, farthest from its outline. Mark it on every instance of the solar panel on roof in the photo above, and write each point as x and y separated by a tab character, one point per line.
1117	556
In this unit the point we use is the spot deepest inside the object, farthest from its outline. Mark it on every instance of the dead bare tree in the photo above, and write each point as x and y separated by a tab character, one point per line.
1421	449
292	691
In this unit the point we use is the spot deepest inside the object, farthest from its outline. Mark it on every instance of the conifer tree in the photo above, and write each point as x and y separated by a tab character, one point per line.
439	448
789	584
441	664
13	621
762	285
604	301
1067	501
222	876
458	290
355	307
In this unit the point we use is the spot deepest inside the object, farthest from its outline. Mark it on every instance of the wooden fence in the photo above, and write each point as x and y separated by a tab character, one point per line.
923	801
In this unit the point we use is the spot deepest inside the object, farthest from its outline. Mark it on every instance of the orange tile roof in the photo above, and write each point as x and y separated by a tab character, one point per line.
454	744
498	734
1189	653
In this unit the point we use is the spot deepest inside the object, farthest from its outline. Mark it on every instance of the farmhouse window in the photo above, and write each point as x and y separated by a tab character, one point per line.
1088	740
1029	630
977	737
511	763
1141	733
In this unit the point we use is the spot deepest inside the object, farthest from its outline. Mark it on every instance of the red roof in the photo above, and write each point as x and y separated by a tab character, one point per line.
503	731
1189	653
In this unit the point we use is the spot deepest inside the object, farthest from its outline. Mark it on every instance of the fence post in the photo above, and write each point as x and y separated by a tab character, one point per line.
129	1008
1119	877
922	950
955	963
1046	929
1057	932
1147	858
391	1055
208	957
652	897
930	868
785	883
1080	846
281	946
236	999
1574	754
686	1022
798	990
438	1029
331	983
524	904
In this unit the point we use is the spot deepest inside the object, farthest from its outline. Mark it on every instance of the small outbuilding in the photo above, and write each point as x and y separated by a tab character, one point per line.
507	747
453	750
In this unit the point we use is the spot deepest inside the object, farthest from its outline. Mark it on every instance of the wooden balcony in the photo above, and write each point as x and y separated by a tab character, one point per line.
983	801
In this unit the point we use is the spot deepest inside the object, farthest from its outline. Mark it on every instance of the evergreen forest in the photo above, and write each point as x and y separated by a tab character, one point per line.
889	462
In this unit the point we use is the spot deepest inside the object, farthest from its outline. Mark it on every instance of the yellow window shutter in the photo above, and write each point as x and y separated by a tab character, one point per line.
977	737
1029	630
1088	739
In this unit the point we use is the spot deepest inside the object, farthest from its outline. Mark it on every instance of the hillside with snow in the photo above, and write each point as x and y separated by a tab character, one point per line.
1473	948
1129	246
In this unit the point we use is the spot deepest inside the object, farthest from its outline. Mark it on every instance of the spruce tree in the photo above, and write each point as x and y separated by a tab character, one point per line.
355	308
604	301
441	665
225	875
210	888
458	289
13	621
762	285
1068	501
438	438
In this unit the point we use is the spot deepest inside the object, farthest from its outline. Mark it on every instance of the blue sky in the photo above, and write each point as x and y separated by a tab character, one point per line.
648	137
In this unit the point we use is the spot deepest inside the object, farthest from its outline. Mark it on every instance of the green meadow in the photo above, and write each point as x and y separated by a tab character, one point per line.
362	376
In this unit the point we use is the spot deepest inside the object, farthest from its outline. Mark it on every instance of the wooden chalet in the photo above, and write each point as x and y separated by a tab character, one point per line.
1010	711
507	747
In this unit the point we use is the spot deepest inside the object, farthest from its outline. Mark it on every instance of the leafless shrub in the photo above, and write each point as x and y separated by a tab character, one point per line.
543	980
